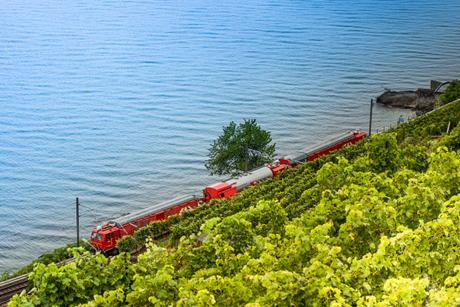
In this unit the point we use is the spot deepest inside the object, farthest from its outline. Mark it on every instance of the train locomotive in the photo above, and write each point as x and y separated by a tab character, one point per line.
104	238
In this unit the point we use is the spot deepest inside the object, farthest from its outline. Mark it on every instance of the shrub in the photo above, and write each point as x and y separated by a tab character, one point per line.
451	93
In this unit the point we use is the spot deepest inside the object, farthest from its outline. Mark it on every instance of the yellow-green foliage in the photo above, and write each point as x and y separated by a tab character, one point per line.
354	229
451	93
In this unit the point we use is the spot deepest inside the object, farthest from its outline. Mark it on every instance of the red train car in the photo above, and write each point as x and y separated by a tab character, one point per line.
105	237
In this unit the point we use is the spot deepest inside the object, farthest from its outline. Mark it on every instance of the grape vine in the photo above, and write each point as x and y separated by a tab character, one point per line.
375	224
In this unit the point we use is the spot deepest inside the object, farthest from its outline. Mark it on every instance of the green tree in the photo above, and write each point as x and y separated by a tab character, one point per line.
451	93
240	148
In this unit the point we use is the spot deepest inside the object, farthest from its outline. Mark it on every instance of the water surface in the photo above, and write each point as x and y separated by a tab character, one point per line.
116	102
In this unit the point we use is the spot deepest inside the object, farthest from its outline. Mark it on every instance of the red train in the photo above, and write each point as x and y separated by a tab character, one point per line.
105	237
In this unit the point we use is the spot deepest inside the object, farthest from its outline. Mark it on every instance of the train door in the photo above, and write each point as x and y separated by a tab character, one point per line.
110	240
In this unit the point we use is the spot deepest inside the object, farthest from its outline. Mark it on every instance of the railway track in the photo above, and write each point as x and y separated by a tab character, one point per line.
10	287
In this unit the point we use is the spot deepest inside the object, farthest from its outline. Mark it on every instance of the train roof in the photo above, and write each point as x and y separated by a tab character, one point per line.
329	142
152	209
302	155
252	176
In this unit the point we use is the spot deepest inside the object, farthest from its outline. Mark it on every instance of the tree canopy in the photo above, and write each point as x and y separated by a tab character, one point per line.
451	93
240	148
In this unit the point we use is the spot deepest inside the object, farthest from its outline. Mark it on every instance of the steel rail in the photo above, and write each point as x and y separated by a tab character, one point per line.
10	287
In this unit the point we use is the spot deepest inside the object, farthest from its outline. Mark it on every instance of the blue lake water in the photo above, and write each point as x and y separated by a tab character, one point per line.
116	102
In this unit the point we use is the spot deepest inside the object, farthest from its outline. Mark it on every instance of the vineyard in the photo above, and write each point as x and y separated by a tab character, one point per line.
374	224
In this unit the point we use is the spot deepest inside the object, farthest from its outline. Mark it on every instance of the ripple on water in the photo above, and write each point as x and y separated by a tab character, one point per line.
117	103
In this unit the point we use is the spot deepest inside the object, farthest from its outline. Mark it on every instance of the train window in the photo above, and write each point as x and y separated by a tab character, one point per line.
107	237
96	236
222	194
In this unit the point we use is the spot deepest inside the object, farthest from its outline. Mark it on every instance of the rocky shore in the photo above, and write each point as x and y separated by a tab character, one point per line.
421	100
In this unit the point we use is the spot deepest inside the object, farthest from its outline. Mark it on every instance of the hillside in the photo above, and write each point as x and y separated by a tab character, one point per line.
374	224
